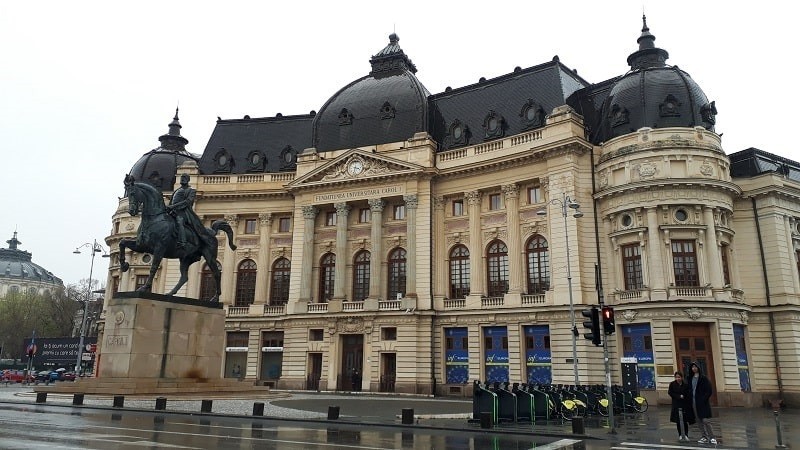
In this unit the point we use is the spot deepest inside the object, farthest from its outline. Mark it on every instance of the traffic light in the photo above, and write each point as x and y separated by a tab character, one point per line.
592	325
608	320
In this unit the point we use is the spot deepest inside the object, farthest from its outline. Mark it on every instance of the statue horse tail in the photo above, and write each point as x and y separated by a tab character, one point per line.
224	226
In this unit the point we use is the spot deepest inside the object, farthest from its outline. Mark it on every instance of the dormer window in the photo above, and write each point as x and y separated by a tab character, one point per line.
256	161
532	115
618	116
670	107
493	125
387	111
223	161
458	135
345	117
288	158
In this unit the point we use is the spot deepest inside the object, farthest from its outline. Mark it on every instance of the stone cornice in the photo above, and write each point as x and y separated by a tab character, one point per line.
664	183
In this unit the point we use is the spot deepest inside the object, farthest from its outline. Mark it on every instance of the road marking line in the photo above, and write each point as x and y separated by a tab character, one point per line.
685	446
562	443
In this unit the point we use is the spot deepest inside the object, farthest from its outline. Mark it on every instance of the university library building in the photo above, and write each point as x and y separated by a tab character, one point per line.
398	240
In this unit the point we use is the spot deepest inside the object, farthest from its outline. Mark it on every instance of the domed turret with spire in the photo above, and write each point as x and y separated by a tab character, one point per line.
18	274
387	105
158	166
652	94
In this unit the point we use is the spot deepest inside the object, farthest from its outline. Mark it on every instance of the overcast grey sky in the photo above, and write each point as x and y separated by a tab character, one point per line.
86	88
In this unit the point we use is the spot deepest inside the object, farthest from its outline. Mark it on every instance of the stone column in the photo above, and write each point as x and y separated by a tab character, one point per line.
511	193
228	266
713	258
655	266
376	205
309	215
340	284
411	244
441	276
263	278
476	274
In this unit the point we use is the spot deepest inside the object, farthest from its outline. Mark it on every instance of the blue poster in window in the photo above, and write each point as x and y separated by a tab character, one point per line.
538	364
496	354
641	348
742	362
456	355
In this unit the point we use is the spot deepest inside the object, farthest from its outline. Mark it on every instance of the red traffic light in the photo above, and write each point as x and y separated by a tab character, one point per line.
608	320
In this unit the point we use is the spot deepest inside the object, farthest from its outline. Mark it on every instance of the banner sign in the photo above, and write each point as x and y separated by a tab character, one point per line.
60	351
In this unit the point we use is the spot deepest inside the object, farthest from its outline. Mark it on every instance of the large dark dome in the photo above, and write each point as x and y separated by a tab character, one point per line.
653	94
388	105
158	166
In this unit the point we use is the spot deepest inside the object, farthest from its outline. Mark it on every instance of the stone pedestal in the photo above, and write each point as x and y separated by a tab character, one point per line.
158	336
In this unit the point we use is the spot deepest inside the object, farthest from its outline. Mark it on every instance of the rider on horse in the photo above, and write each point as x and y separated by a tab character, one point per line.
180	207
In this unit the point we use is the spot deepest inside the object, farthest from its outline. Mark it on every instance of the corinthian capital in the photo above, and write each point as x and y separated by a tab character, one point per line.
310	212
510	190
473	197
411	201
376	204
342	209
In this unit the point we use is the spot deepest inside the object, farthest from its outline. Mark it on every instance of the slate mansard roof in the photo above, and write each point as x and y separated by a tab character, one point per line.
390	104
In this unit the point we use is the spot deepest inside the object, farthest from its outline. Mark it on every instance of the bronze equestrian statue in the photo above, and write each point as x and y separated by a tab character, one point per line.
172	231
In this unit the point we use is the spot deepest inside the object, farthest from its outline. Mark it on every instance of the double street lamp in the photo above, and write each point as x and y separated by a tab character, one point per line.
566	205
95	248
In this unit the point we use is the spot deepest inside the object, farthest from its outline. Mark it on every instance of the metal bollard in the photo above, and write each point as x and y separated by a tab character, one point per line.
41	397
407	416
161	403
119	401
577	426
333	412
205	406
778	430
77	399
258	409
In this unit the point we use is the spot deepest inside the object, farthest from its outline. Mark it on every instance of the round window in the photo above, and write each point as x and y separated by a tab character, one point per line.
288	157
255	159
223	160
492	124
457	132
681	215
627	220
530	114
146	258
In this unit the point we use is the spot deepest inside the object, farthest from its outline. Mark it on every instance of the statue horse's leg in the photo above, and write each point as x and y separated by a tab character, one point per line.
157	257
123	244
210	255
185	263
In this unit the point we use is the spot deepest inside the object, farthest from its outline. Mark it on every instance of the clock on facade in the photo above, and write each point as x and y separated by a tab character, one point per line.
355	167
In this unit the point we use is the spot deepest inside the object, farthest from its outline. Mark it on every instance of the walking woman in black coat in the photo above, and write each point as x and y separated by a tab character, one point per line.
681	393
701	401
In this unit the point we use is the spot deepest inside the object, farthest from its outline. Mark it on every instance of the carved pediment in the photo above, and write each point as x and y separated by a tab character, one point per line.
354	165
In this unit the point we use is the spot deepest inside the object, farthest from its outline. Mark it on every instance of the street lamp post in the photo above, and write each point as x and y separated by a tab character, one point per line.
566	204
95	248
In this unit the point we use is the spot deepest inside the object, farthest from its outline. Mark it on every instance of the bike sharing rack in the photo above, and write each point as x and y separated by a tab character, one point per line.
506	402
484	406
540	404
525	403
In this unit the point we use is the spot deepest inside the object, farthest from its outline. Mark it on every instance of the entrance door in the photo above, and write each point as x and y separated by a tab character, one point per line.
314	371
388	371
352	362
693	344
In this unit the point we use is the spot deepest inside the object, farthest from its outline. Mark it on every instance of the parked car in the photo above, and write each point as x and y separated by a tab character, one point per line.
68	376
16	376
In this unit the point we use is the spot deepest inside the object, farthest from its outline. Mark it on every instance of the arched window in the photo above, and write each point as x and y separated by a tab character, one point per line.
397	273
361	276
497	269
459	272
538	265
327	276
207	286
280	282
246	283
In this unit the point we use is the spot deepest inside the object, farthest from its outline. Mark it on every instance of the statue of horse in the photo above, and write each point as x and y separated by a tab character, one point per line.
157	235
